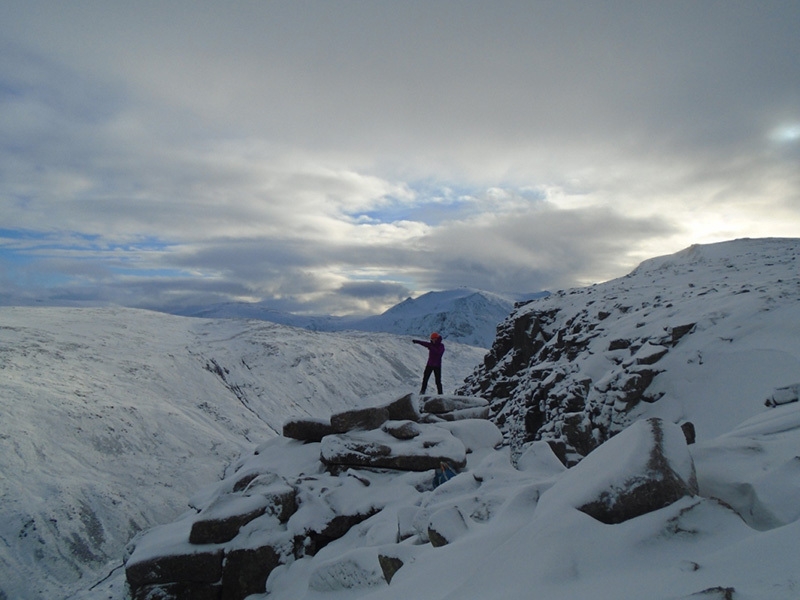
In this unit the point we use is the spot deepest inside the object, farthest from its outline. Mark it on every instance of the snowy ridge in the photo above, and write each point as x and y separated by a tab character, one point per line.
704	336
464	315
112	417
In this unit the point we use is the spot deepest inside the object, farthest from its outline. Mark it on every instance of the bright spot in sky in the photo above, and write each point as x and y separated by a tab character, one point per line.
787	133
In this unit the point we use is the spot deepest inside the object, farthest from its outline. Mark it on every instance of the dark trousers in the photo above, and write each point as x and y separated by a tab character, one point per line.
437	373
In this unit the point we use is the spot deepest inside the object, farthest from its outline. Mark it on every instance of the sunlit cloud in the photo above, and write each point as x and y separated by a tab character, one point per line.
786	133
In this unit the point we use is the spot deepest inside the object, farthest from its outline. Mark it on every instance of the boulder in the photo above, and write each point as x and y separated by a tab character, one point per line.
313	541
784	395
403	409
246	571
360	418
402	430
446	525
448	404
389	565
392	558
356	569
307	430
221	521
644	468
201	566
378	449
475	434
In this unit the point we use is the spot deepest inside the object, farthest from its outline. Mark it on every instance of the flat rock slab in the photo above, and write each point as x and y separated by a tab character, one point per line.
447	404
379	449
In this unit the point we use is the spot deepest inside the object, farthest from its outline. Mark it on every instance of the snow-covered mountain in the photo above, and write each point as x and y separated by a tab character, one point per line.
701	336
112	417
463	315
606	378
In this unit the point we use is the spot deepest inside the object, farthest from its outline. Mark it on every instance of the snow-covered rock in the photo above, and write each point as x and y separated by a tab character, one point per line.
642	469
262	516
378	449
718	323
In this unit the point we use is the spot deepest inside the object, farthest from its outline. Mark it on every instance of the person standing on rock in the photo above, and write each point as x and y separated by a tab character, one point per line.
435	350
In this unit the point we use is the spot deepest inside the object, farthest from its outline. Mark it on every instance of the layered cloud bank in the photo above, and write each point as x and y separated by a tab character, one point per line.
338	159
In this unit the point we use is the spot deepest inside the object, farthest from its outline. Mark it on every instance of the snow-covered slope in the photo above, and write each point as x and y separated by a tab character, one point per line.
111	417
708	336
703	336
717	326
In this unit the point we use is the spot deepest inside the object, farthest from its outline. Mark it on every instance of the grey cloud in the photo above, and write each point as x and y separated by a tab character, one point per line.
375	289
243	142
542	249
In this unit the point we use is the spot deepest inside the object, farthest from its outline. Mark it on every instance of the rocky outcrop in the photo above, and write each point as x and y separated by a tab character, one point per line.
258	519
378	449
555	374
366	418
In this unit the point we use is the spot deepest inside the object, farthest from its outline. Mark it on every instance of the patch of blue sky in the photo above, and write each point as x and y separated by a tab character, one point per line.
437	203
19	246
152	273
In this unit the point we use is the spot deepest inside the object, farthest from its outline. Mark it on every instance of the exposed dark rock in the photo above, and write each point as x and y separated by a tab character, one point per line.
620	344
652	358
246	480
714	593
578	433
403	409
361	418
389	565
246	571
185	590
445	526
679	331
634	386
559	449
688	431
656	485
216	530
314	541
534	419
402	430
307	430
221	520
195	567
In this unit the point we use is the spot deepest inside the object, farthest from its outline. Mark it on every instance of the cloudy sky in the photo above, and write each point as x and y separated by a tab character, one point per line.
339	156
